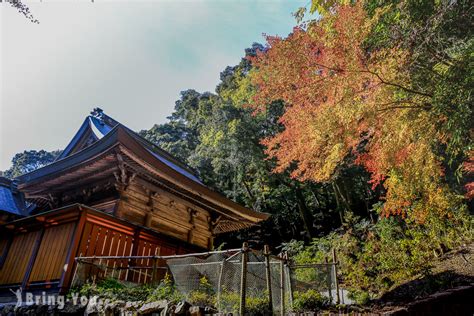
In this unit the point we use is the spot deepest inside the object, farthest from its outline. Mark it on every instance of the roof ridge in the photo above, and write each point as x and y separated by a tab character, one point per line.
102	116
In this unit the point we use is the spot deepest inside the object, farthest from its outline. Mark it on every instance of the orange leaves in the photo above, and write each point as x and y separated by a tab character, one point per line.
345	102
315	72
468	167
321	73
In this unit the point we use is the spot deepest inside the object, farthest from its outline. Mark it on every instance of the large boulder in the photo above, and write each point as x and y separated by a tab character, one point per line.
182	308
72	309
153	307
93	306
210	310
196	311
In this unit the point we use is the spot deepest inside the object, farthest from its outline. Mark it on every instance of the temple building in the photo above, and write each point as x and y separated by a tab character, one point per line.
110	192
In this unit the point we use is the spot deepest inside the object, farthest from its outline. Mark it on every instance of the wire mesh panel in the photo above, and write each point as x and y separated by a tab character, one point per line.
319	277
280	290
215	278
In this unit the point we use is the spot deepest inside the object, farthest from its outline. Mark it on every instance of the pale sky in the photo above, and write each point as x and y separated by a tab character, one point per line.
131	58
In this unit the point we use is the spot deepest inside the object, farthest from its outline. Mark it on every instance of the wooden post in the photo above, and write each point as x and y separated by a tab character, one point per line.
32	260
4	255
336	283
282	286
74	244
243	278
266	253
153	271
328	270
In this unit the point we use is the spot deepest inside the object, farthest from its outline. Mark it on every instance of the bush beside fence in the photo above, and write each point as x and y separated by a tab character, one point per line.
233	281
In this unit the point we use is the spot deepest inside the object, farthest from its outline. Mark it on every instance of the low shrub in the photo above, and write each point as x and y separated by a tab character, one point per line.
204	295
257	305
377	257
166	290
308	301
116	290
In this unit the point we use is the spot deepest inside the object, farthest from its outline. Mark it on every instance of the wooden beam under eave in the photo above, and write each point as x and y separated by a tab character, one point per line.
186	200
146	160
72	179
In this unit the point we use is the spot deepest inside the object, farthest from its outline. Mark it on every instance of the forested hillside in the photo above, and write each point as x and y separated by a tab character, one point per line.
355	131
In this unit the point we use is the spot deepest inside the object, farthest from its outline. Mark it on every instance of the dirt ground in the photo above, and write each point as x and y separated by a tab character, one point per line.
449	290
460	261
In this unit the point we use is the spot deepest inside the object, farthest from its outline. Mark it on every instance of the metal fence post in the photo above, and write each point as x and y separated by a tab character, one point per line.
282	286
336	282
243	278
266	253
328	271
288	274
219	286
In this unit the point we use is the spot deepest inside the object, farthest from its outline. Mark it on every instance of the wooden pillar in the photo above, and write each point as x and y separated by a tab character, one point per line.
243	278
32	260
153	273
266	253
6	249
148	219
210	242
119	205
192	214
72	252
212	224
123	179
149	214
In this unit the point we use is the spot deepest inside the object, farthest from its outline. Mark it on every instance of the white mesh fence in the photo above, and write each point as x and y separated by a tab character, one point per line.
215	278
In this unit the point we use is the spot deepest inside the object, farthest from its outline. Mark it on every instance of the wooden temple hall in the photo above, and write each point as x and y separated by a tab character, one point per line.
109	193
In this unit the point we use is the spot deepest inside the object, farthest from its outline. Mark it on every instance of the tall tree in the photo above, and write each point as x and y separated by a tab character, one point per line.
351	100
222	137
30	160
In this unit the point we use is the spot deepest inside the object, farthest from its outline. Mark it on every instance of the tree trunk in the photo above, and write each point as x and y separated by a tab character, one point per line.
338	204
305	213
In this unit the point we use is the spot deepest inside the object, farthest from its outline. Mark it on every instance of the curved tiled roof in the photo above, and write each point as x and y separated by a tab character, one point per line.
99	124
100	136
11	200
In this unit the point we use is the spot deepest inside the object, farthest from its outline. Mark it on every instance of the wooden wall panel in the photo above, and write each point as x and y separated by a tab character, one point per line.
18	257
145	248
3	244
103	240
167	214
49	263
100	240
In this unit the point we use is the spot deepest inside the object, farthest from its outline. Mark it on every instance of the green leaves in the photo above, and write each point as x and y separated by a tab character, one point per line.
28	161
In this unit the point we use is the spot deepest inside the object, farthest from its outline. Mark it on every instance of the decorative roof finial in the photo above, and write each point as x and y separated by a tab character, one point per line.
97	112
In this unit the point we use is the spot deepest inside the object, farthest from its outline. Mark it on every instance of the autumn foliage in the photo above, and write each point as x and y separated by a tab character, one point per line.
349	104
